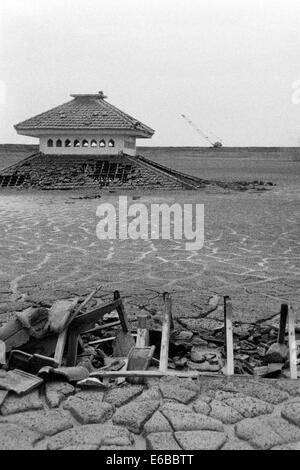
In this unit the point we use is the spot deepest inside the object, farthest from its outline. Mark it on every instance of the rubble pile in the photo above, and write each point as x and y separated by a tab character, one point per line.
97	171
94	347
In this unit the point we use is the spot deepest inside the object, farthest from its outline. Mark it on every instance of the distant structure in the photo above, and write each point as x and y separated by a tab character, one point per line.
86	125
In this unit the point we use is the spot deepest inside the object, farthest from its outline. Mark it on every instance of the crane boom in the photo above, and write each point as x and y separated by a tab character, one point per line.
216	144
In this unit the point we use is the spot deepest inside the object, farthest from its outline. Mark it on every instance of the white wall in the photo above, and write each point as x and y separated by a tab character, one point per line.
118	139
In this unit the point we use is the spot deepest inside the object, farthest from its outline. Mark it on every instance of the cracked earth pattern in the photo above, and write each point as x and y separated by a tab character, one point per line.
49	250
165	414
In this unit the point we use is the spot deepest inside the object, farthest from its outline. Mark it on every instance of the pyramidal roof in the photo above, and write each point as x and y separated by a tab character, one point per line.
85	112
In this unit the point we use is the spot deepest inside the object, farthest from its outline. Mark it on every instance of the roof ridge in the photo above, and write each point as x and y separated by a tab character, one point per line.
129	118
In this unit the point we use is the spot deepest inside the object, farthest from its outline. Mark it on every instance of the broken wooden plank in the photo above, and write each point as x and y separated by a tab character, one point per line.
139	358
102	340
123	344
77	310
165	333
121	312
3	395
292	343
72	347
99	328
60	347
229	336
2	353
71	374
142	339
61	314
151	373
284	310
36	320
86	321
14	334
19	381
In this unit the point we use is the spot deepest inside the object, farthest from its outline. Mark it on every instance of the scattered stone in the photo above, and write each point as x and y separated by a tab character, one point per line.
204	366
192	421
161	441
122	395
157	423
15	437
202	324
43	422
184	335
17	404
196	341
200	440
91	434
276	353
56	392
213	302
198	354
224	413
200	406
135	414
180	362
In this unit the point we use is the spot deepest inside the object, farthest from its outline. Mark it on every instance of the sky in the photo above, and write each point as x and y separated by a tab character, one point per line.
232	66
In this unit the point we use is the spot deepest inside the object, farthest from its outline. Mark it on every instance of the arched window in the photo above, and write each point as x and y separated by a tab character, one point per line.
85	143
50	143
58	143
67	143
111	143
102	143
76	143
93	143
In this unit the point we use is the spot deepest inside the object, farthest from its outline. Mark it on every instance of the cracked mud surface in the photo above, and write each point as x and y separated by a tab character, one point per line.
49	250
165	414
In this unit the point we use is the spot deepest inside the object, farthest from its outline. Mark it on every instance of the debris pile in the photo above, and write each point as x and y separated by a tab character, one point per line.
92	347
98	171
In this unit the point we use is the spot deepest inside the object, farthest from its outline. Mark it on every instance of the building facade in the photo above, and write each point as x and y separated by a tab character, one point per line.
86	125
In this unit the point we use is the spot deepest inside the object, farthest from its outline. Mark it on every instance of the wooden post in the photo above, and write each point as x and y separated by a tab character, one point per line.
72	347
60	347
282	326
228	335
121	313
165	333
292	343
142	339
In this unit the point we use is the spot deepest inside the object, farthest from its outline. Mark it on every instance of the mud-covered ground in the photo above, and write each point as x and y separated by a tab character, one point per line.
49	250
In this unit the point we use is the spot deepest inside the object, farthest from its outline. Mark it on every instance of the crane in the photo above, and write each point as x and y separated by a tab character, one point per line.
215	144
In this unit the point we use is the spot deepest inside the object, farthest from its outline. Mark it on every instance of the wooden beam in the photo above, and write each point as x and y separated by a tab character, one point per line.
121	312
228	335
60	347
86	321
282	323
165	333
142	339
292	343
102	327
151	373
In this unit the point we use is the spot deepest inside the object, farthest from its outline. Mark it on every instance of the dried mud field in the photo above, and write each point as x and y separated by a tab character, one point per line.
49	248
